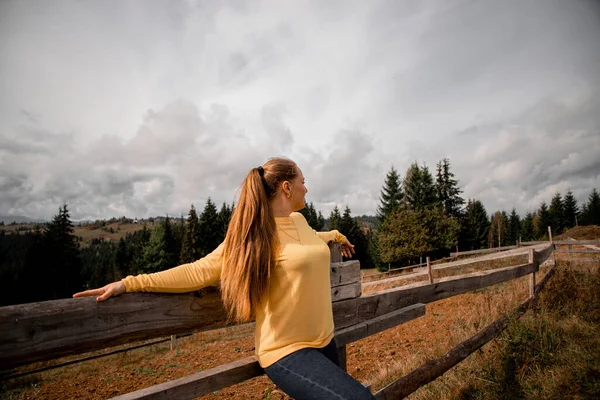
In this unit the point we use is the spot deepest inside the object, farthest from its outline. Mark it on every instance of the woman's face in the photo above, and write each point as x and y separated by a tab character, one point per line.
298	191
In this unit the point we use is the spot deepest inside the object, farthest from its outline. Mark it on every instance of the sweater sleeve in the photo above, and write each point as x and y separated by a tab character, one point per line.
181	279
333	235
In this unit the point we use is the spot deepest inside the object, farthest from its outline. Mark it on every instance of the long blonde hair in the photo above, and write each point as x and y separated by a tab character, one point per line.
251	244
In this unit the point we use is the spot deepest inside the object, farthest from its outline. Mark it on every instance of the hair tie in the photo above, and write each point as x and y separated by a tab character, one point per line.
261	171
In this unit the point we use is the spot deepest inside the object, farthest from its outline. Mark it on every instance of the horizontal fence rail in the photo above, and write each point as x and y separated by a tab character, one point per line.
51	329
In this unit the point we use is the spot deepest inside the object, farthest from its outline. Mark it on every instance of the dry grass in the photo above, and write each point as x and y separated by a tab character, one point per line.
553	353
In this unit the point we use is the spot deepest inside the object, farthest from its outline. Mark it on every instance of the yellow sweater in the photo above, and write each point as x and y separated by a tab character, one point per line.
296	313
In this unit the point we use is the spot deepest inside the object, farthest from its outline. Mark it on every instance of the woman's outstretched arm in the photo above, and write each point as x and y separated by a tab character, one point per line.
336	236
180	279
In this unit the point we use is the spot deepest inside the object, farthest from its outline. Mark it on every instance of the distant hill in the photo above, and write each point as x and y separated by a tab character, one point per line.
19	219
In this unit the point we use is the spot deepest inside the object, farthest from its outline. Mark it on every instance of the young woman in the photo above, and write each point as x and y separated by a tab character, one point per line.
273	267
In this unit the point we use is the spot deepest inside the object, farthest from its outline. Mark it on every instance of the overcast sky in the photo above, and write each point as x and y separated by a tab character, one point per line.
141	108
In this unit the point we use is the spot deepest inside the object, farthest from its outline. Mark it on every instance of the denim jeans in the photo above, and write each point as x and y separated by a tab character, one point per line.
314	374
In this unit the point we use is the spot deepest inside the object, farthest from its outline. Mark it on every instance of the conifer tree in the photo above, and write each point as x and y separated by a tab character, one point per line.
62	264
334	219
498	230
190	246
557	214
542	222
321	220
591	214
571	210
209	228
391	196
475	226
514	228
527	229
224	217
448	192
419	189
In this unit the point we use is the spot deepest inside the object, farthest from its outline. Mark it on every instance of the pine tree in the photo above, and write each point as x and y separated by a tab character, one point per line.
542	222
155	253
224	217
448	192
557	214
209	228
171	248
321	220
591	216
498	230
475	226
571	210
419	189
190	246
334	219
63	267
514	228
527	228
347	224
350	227
391	195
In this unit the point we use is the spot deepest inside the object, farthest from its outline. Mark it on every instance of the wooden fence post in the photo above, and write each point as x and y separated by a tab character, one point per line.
570	248
553	246
429	270
532	275
173	342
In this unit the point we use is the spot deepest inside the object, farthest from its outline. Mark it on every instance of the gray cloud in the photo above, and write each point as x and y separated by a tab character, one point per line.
115	118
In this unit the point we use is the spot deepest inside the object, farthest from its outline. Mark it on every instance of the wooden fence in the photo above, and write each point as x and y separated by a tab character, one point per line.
52	329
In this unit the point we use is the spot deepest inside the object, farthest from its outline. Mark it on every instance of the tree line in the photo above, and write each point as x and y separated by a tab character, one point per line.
422	215
418	215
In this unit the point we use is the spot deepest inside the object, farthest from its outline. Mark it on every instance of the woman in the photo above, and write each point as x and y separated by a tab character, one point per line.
275	268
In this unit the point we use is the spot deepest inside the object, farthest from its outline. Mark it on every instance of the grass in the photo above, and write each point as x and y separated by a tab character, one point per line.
552	353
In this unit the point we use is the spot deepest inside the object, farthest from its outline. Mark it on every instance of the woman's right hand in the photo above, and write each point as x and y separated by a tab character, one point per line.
103	293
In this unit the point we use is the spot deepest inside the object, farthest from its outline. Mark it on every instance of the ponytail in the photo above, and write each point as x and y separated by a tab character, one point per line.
251	244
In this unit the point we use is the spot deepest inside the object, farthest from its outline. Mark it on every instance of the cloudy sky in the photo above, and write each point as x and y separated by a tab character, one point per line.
141	108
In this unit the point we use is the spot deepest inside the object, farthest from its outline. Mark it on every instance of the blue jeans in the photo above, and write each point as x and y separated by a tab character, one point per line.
313	374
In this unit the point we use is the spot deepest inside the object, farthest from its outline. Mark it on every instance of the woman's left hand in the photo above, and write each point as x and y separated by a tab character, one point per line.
347	249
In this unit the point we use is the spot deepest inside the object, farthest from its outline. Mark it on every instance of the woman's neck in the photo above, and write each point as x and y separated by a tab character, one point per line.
281	207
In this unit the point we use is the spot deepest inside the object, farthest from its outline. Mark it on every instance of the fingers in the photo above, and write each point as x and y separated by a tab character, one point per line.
103	293
347	250
105	296
91	292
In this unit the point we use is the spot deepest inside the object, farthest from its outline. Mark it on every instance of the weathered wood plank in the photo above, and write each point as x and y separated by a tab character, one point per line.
543	255
582	242
200	383
345	292
378	324
52	329
217	378
351	312
577	251
482	251
343	273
